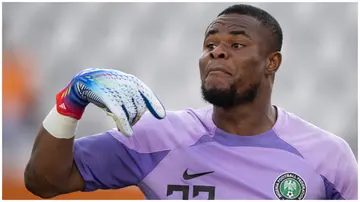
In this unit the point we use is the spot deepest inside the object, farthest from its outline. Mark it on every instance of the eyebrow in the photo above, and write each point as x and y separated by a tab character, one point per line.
214	31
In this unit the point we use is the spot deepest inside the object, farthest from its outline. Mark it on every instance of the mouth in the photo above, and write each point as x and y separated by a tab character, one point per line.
218	70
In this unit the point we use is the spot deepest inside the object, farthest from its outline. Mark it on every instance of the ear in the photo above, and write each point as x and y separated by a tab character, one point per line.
274	61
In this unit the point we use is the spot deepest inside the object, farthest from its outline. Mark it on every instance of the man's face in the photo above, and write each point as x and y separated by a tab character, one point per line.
233	62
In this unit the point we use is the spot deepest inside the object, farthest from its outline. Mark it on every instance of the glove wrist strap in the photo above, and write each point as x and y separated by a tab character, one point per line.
68	105
60	126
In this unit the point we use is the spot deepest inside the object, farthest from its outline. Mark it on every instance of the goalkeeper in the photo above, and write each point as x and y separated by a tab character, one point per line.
242	147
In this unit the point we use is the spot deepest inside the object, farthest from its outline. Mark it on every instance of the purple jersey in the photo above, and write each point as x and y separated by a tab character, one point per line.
185	156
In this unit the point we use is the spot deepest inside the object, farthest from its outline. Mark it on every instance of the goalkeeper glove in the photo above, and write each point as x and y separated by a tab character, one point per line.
122	96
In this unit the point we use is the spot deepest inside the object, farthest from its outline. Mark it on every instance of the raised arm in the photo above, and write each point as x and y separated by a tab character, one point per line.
51	169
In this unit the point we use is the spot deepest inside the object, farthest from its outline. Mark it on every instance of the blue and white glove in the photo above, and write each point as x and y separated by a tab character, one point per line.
122	96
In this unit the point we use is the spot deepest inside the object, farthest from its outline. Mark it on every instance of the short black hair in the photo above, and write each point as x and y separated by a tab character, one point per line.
264	17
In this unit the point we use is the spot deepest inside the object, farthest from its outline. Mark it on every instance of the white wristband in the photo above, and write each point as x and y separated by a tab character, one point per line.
60	126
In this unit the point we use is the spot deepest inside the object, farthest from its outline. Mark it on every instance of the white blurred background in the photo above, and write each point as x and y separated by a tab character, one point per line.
46	44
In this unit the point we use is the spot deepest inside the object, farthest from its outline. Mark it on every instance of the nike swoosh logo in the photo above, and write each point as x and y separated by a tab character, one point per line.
187	176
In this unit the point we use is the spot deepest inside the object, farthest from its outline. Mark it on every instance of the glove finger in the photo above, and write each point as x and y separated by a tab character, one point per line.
154	105
121	120
129	108
116	107
126	93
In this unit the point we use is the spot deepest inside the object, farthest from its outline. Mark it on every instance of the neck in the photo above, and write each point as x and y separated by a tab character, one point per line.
249	119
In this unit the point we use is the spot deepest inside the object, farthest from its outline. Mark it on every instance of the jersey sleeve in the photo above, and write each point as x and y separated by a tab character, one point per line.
346	177
111	160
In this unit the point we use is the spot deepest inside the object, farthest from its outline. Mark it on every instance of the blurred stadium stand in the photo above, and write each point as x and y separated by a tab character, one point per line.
45	44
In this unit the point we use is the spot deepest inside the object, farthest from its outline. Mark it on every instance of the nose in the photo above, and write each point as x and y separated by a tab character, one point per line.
219	53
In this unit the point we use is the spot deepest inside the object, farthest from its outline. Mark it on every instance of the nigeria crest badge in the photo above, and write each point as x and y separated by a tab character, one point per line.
290	186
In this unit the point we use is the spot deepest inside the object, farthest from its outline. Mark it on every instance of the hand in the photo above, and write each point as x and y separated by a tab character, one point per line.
122	96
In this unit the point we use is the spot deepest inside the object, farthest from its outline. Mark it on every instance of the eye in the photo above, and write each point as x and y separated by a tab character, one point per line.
237	45
211	46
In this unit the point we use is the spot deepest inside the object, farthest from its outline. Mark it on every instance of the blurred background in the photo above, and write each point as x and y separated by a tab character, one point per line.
46	44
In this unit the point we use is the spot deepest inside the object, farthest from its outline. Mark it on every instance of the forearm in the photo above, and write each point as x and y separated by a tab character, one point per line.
51	163
51	166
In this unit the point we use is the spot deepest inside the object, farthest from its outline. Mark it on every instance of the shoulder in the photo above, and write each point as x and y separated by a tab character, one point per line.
329	155
181	127
306	136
